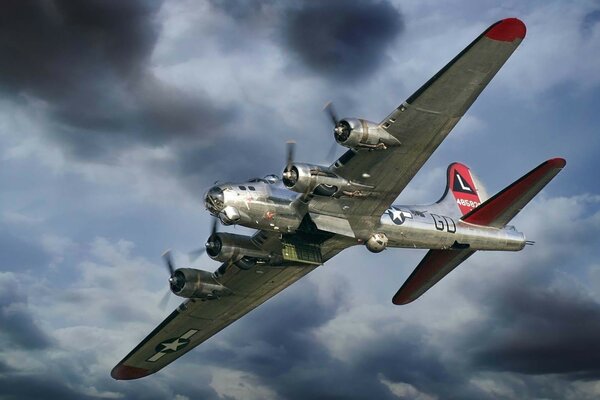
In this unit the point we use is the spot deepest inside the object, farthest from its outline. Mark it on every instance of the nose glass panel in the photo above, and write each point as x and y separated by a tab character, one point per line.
214	200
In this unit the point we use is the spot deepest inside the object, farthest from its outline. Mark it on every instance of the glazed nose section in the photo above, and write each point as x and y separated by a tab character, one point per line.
214	200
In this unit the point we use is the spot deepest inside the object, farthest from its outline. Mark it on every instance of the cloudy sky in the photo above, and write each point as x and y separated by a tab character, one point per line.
116	116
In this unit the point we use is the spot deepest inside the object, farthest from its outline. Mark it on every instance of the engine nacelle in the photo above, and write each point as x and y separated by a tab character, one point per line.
377	243
315	179
228	246
362	134
196	284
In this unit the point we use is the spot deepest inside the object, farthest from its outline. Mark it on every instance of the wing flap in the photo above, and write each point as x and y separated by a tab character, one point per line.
435	265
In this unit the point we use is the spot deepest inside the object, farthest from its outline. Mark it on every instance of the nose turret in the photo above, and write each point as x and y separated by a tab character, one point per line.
214	200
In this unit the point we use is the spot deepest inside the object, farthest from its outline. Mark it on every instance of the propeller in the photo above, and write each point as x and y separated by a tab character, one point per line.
195	254
331	153
330	111
176	279
169	261
164	301
341	128
289	174
290	147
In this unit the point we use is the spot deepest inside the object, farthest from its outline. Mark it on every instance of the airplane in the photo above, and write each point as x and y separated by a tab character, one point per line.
313	212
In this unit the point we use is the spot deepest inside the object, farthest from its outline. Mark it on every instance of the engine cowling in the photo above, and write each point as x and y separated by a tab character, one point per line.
196	284
228	246
362	134
315	179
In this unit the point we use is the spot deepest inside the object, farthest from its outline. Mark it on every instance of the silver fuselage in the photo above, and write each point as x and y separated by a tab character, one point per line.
273	207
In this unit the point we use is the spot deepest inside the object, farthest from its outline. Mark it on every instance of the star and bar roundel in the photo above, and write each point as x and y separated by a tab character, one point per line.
172	345
398	216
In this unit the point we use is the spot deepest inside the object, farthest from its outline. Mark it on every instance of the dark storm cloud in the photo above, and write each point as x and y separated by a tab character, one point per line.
87	62
279	346
17	386
228	161
16	322
245	10
539	330
590	20
342	40
336	39
4	368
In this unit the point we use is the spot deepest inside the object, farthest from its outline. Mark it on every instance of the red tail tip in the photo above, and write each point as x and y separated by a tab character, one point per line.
507	30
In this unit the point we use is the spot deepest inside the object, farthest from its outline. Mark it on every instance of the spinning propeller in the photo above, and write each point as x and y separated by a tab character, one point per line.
176	280
341	129
172	279
211	243
290	174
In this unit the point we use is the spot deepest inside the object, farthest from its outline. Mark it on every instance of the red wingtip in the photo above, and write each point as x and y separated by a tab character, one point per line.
125	372
507	30
557	162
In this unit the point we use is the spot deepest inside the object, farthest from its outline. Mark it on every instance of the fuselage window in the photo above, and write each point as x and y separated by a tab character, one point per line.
251	188
242	187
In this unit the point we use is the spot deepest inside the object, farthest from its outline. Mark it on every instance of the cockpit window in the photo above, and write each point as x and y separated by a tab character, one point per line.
272	178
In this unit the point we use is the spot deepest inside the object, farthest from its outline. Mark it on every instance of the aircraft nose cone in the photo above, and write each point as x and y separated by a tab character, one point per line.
214	200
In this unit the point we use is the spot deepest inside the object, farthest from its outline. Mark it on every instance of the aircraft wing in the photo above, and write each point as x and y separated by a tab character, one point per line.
420	124
196	320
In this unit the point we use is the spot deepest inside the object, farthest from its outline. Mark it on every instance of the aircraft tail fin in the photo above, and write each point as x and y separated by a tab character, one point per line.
506	204
464	192
496	211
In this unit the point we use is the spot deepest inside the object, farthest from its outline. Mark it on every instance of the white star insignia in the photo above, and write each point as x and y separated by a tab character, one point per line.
174	345
398	216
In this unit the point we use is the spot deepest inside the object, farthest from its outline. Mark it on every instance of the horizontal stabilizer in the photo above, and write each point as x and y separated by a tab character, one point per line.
435	265
506	204
496	212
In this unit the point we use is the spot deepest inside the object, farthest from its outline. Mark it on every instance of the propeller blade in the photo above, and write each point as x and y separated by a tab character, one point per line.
169	261
290	154
330	111
331	154
214	226
162	305
195	254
